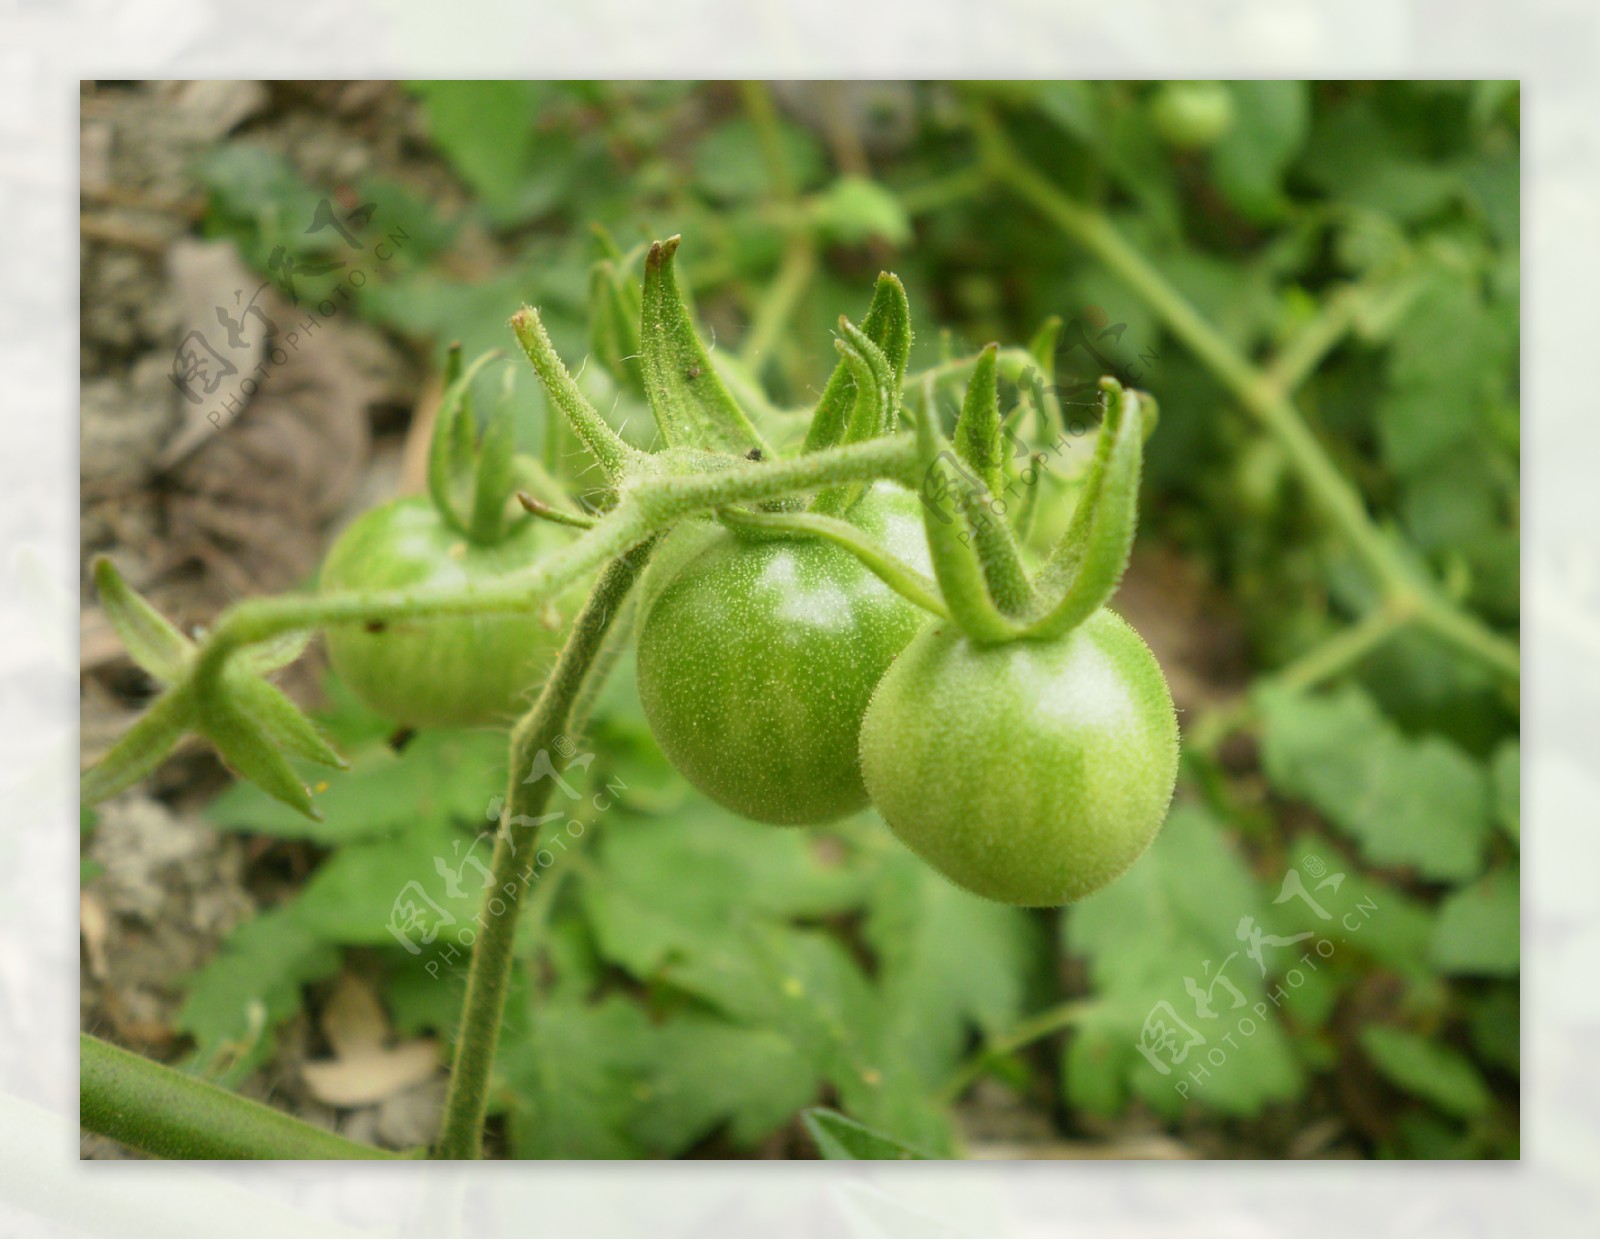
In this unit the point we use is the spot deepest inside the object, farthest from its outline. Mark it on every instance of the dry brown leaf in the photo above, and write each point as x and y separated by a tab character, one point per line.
373	1075
364	1069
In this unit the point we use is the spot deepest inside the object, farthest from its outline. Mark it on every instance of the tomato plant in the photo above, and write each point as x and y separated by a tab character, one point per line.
831	615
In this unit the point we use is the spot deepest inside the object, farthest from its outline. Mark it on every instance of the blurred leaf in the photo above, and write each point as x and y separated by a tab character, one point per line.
1271	120
235	1003
730	164
440	778
838	1136
1479	928
490	130
573	1069
1421	803
1436	1073
706	1074
854	210
1506	771
1176	916
948	963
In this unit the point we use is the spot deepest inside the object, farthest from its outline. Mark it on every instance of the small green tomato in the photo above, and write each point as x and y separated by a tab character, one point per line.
449	671
757	659
1031	773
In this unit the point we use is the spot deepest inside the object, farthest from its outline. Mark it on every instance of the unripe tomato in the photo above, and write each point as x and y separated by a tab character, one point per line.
757	659
1032	772
1192	116
447	671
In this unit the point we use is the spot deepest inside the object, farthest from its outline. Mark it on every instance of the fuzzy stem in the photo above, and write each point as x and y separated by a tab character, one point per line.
157	1110
1259	395
488	976
898	576
649	505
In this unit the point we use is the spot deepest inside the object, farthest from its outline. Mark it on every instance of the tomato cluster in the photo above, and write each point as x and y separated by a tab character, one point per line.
1021	739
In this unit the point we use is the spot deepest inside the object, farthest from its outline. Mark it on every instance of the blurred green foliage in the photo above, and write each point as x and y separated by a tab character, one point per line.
689	978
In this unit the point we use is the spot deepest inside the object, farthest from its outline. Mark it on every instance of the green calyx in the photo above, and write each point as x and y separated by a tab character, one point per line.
253	726
471	478
976	558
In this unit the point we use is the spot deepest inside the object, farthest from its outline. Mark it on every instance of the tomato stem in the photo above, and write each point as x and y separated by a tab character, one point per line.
489	974
1262	394
170	1114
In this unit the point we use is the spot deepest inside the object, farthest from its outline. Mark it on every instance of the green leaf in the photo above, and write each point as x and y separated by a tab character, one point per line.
730	163
276	652
948	496
360	894
1417	803
1442	1076
490	131
250	751
1506	771
705	1075
948	964
235	1003
854	210
454	434
691	405
839	1137
150	639
1479	928
1176	917
1271	120
492	486
573	1068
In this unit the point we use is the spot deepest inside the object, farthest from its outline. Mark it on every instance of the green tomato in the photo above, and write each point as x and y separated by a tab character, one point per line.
757	659
451	671
1192	116
1032	772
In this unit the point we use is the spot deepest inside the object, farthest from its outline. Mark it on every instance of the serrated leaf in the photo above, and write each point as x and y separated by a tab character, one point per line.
444	777
573	1068
1173	918
1437	1073
1478	932
840	1137
150	639
705	1075
235	1003
361	895
1417	803
691	405
141	748
949	965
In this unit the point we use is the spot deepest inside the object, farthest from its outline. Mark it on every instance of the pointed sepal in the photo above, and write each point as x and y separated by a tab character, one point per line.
691	404
1087	567
888	325
152	641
